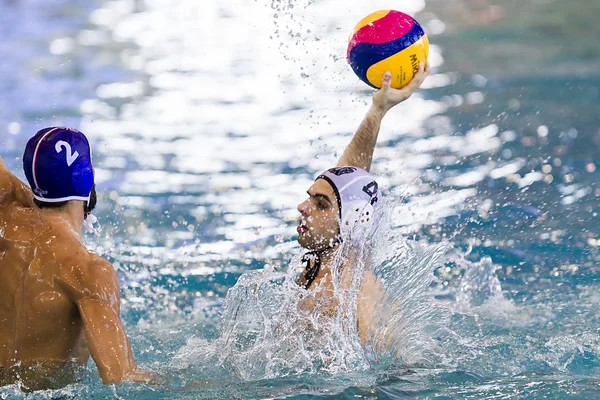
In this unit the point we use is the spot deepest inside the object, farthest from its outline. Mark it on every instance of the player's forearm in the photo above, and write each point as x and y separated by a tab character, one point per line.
113	357
359	152
108	342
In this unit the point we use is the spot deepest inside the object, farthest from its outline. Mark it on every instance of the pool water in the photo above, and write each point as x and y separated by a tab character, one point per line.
209	121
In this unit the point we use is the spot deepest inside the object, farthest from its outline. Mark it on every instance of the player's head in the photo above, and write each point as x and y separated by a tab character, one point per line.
58	165
340	201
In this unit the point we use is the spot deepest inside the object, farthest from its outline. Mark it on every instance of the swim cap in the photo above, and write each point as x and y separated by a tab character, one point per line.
58	165
357	194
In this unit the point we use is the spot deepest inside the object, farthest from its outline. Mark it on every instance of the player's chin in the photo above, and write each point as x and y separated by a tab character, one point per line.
311	243
304	241
308	241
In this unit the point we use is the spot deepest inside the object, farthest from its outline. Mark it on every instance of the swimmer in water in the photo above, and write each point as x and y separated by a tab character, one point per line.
340	204
59	302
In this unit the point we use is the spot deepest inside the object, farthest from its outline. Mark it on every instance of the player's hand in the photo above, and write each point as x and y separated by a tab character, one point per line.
144	376
388	97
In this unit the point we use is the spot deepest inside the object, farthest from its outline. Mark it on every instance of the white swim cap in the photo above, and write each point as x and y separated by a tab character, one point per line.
357	194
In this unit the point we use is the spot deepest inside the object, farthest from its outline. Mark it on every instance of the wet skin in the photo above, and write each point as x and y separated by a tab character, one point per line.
318	226
318	229
58	301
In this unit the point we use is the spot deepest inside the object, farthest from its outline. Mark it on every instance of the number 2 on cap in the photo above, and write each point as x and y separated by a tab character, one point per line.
71	157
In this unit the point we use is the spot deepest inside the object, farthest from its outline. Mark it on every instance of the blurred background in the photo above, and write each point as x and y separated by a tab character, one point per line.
209	121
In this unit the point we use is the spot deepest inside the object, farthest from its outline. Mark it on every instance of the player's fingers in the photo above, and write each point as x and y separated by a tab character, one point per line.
386	80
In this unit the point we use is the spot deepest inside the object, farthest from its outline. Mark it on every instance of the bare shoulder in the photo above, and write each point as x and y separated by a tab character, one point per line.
7	188
85	275
369	297
12	189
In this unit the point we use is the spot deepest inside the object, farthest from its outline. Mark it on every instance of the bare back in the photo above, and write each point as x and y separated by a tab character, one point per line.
40	324
59	303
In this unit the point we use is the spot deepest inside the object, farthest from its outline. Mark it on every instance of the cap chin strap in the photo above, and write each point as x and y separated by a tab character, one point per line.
311	271
90	222
362	218
86	208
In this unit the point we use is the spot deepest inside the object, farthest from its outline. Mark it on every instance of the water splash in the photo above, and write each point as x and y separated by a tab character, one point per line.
409	317
269	330
561	351
271	327
479	284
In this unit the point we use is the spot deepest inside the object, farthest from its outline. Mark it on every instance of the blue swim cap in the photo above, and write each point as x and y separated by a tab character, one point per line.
58	165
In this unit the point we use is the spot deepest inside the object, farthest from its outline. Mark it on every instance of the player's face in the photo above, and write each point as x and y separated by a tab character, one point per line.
318	225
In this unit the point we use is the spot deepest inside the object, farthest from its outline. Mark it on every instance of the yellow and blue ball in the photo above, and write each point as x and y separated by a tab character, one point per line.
387	40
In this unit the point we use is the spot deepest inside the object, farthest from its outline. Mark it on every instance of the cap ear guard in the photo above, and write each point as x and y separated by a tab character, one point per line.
358	219
357	194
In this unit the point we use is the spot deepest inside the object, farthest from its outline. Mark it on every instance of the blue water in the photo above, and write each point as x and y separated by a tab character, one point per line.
209	122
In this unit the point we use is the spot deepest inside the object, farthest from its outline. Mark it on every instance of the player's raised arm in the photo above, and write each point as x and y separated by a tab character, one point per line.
359	152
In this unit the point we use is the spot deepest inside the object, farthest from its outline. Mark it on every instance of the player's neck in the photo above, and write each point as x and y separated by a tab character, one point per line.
72	213
328	257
